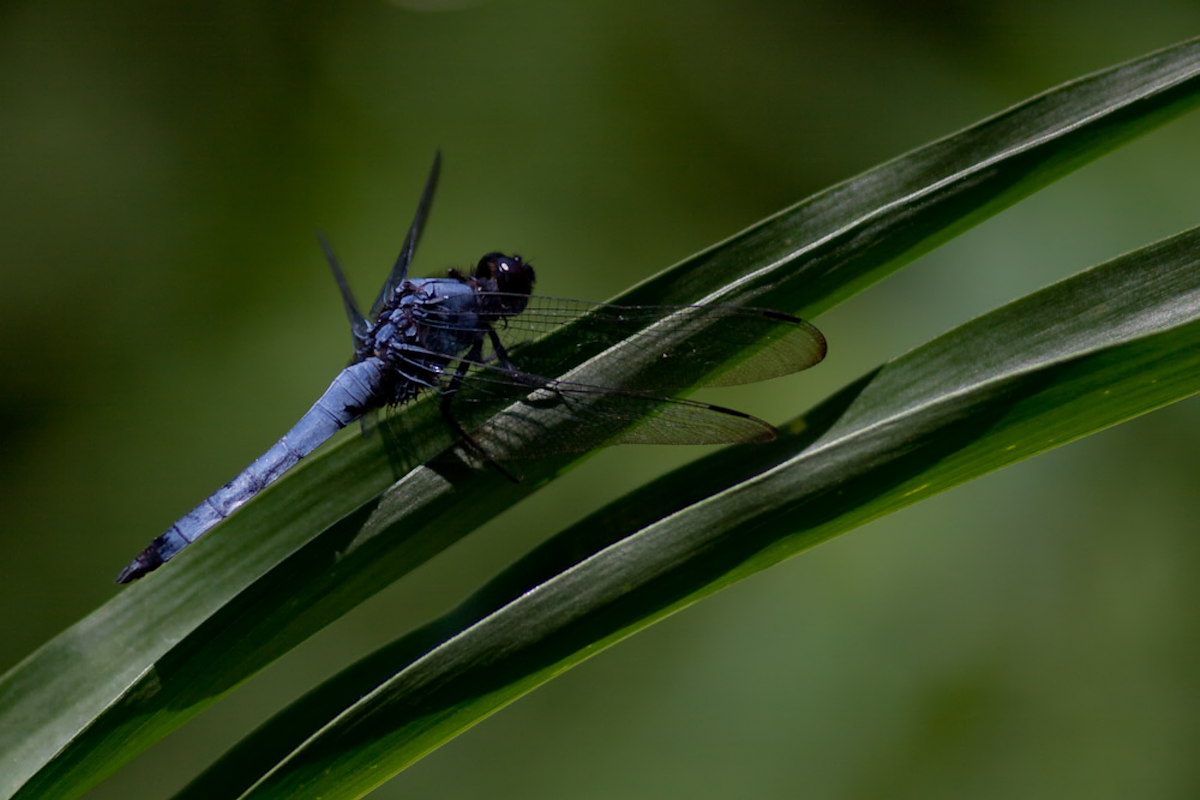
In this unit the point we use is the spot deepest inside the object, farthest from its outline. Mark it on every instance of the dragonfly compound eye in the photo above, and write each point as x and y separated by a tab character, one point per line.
507	275
489	265
514	275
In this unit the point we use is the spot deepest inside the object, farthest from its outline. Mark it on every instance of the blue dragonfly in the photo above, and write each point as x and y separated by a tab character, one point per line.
462	336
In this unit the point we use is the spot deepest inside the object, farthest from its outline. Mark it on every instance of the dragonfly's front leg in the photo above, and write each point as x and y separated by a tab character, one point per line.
499	349
524	377
451	389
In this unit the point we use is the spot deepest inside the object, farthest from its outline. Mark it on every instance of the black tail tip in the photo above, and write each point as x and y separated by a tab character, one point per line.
132	573
145	563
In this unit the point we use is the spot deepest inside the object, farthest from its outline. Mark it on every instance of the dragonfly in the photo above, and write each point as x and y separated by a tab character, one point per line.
472	339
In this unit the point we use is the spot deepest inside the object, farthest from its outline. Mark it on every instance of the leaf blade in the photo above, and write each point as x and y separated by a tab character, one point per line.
163	650
1108	344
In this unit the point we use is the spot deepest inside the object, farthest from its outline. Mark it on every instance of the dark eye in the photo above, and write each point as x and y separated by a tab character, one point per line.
490	264
511	273
514	275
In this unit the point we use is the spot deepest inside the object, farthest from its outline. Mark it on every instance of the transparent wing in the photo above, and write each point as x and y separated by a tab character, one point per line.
542	415
400	270
360	326
695	344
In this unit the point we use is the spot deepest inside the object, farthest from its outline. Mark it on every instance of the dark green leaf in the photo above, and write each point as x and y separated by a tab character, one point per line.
1114	342
314	546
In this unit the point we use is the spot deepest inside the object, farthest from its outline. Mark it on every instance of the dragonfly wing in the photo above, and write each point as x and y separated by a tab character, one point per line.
538	416
360	326
562	417
656	419
785	344
704	345
404	260
688	346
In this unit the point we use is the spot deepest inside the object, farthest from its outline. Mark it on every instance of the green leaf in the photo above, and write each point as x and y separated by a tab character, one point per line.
1111	343
329	536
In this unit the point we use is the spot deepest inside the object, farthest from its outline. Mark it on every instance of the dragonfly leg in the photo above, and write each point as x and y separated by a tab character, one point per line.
447	401
500	351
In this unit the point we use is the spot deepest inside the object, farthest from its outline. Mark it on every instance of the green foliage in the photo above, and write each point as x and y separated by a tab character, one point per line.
1109	344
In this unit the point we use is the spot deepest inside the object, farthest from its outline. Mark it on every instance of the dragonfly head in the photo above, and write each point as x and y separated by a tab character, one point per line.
511	277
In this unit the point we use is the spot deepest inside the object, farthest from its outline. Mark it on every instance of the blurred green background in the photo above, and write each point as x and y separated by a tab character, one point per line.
165	314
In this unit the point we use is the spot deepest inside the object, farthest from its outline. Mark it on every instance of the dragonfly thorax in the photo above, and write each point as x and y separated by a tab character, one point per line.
430	322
